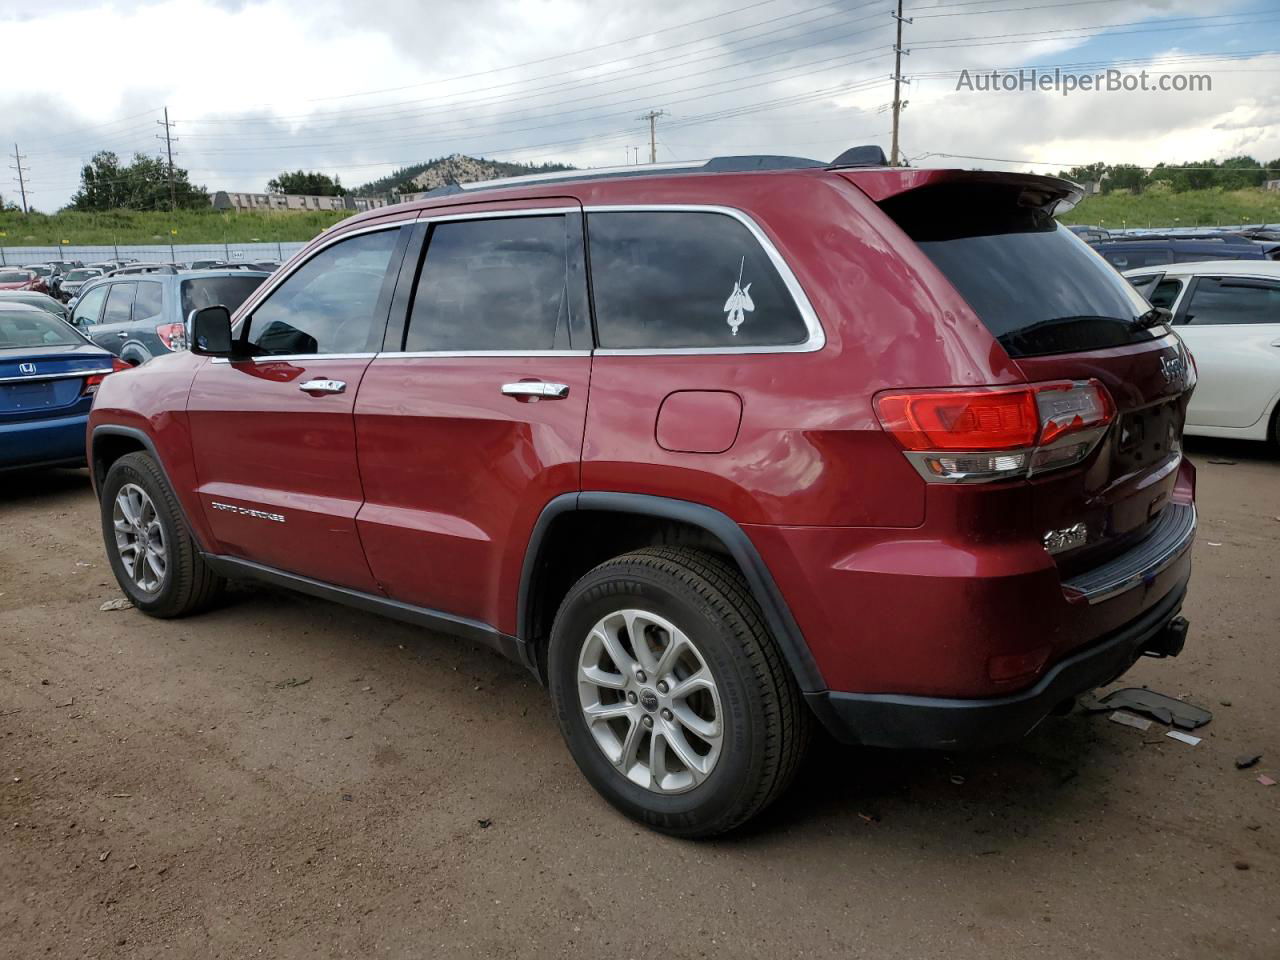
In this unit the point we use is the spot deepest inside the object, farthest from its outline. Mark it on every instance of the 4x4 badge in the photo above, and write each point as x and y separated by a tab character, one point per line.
739	301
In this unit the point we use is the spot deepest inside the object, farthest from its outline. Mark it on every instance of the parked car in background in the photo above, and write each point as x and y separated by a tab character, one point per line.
137	318
21	278
1129	252
1228	314
77	278
65	266
41	300
720	494
48	375
1090	234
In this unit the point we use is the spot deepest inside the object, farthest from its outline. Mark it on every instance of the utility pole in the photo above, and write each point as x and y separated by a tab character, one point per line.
897	82
652	116
168	146
22	183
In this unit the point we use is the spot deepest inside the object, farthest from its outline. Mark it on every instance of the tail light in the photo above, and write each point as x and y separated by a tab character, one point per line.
173	335
92	383
997	433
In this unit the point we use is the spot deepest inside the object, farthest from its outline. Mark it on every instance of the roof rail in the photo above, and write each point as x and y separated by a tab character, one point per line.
733	164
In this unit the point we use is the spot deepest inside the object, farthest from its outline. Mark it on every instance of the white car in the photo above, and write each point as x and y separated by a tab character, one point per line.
1228	314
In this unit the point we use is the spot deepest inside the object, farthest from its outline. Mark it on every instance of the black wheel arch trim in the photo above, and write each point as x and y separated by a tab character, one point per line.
133	433
776	612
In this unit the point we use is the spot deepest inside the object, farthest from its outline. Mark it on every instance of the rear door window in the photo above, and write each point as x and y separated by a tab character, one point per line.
1232	300
1035	285
667	279
494	285
119	303
149	300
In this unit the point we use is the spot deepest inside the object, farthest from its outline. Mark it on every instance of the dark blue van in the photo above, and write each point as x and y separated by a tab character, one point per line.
1146	251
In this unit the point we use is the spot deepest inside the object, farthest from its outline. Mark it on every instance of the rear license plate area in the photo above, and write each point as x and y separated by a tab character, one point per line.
1148	436
27	396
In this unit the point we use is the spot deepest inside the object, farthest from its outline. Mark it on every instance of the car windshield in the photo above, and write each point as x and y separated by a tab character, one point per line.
81	274
228	292
34	328
39	271
14	276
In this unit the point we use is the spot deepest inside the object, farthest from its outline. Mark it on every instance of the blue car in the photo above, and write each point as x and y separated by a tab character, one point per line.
48	375
1147	250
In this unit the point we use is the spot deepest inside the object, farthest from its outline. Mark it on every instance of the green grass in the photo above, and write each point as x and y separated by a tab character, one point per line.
1163	208
145	227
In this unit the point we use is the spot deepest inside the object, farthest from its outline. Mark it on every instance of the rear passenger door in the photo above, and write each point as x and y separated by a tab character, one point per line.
1232	327
471	419
113	331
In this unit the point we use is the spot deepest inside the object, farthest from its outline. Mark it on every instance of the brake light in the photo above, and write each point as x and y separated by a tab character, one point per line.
173	335
92	383
996	433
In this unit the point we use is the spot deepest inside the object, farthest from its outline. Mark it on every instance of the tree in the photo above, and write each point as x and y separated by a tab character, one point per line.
143	184
1273	169
307	184
1125	176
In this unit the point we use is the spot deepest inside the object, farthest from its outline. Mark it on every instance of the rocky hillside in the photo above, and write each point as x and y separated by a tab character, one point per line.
457	168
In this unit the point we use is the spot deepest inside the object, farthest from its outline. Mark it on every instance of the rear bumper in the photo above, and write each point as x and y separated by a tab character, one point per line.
892	720
32	443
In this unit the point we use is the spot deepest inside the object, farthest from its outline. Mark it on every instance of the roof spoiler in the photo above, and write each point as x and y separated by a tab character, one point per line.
1051	194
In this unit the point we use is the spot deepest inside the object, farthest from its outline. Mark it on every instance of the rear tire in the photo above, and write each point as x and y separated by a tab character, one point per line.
702	680
150	549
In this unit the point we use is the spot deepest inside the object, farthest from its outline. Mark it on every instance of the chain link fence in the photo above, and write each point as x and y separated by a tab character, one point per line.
153	253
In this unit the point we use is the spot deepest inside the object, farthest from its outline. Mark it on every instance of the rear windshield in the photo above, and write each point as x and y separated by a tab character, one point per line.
34	328
14	276
228	292
1038	288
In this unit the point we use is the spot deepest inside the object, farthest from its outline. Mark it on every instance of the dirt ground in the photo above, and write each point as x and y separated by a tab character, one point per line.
287	778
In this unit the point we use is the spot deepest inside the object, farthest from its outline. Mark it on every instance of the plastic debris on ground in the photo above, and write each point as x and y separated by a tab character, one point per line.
1158	706
1129	720
1184	737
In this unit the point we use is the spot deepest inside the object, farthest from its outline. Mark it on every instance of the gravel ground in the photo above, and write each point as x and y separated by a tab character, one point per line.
287	778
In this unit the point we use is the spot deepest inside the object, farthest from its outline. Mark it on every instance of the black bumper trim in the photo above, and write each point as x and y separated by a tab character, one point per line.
912	722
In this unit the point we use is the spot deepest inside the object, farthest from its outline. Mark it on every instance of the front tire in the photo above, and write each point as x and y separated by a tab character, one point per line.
671	693
150	549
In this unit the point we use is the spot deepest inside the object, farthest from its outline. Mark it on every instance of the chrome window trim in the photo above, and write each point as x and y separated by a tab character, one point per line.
815	341
817	338
310	357
483	353
40	377
430	216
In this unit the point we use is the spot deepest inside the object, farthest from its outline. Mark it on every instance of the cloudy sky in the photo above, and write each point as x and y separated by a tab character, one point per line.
360	89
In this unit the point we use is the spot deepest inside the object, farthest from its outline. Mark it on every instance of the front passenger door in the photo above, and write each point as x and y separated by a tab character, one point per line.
273	436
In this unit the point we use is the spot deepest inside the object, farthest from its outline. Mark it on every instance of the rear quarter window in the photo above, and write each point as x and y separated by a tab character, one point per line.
686	279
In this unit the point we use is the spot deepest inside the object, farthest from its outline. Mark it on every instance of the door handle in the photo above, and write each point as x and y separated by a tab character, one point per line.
123	336
1276	342
536	389
323	386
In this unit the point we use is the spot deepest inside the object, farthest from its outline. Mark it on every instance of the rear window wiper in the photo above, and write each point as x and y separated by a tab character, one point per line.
1154	317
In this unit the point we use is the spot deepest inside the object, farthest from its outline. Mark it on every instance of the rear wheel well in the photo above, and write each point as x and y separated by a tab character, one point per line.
110	447
577	541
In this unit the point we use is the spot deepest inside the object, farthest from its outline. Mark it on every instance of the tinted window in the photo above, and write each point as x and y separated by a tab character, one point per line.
1126	259
229	292
1234	300
89	306
1165	293
119	303
1038	288
665	279
34	328
328	305
147	303
493	285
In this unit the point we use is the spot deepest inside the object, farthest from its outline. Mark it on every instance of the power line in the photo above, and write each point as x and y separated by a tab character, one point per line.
898	80
652	116
168	146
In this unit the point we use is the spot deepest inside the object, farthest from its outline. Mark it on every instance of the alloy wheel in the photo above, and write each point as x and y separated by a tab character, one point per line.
650	701
140	538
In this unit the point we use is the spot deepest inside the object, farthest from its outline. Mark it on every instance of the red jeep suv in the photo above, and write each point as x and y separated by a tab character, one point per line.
715	450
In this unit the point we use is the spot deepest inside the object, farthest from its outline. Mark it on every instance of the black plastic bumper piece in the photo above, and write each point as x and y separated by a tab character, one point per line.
911	722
